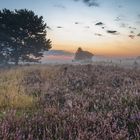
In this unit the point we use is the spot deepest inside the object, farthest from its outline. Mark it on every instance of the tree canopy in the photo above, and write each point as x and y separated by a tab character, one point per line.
83	55
22	36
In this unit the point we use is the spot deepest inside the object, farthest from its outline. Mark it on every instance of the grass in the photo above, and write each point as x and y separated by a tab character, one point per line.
70	102
12	94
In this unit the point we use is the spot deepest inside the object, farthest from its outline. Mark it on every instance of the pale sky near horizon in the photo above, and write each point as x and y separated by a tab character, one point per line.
73	24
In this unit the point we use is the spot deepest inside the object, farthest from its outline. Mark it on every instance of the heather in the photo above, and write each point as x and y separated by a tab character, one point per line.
70	102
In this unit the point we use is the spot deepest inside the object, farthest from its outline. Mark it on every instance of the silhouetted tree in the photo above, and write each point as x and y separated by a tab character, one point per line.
22	36
79	49
83	55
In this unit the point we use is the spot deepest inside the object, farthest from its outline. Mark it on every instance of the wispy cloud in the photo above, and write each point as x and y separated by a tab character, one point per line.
90	3
131	36
133	28
48	27
99	23
59	27
132	32
112	32
138	34
97	34
78	22
119	18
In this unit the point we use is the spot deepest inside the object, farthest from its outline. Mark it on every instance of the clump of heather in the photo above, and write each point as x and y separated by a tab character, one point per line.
84	102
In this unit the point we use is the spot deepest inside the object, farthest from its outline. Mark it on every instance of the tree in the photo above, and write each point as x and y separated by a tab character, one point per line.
83	55
22	36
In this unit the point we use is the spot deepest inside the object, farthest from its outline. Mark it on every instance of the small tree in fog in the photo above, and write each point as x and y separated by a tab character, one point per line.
83	55
22	36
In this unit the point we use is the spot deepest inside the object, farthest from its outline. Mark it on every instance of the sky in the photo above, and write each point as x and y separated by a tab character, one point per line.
104	27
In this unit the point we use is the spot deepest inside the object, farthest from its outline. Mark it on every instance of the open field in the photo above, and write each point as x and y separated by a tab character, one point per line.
70	102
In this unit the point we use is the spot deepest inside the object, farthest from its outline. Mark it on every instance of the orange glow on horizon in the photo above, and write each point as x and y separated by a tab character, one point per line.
106	49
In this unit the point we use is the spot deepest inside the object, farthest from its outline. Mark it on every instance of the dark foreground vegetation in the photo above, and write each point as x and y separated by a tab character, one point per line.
70	103
22	36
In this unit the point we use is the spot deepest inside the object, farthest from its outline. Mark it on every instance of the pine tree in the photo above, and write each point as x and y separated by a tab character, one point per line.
22	36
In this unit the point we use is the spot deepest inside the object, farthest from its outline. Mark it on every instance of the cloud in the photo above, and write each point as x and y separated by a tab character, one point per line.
76	23
112	32
131	36
134	28
48	27
59	27
90	3
60	6
119	18
97	34
132	32
99	23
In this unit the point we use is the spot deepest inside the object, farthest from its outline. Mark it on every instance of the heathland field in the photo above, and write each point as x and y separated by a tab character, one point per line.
69	102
